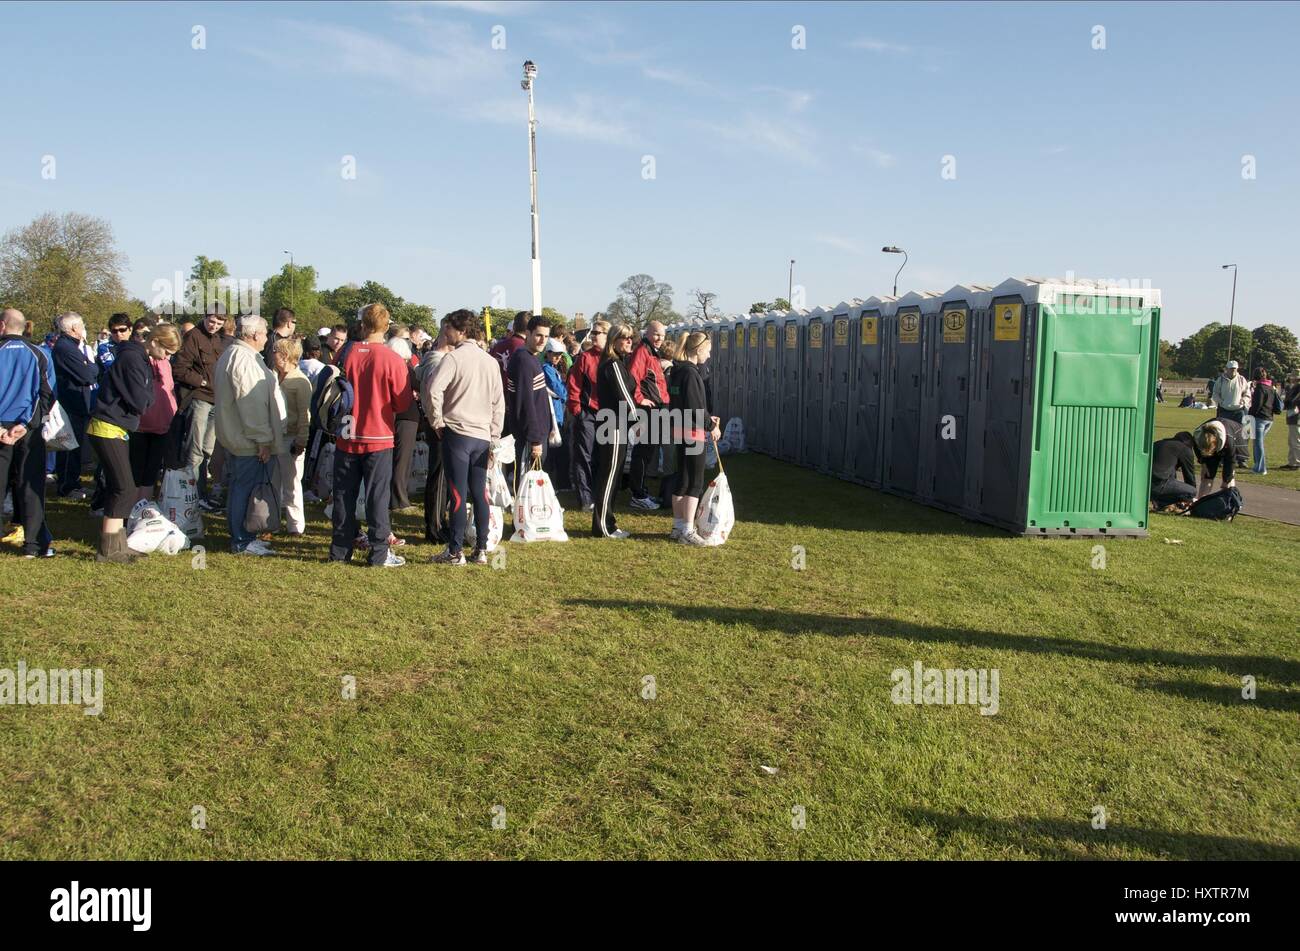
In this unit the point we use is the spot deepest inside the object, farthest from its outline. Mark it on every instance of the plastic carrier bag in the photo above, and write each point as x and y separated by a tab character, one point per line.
538	516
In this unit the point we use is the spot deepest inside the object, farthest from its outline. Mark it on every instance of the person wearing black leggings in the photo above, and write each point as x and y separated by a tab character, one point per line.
614	389
692	424
125	392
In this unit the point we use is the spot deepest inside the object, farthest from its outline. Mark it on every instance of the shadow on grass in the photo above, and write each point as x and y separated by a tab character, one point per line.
1167	843
1230	696
792	623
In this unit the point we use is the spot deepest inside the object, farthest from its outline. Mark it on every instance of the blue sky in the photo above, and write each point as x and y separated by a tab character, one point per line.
1117	163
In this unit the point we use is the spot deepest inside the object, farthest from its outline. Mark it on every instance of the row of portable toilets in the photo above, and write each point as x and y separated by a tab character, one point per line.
1028	405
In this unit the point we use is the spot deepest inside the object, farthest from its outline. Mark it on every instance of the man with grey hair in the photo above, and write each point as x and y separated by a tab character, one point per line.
249	425
76	377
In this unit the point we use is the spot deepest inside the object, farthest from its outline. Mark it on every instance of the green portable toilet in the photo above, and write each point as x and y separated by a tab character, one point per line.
864	437
1067	380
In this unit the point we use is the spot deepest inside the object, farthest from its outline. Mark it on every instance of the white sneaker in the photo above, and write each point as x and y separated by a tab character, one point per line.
310	497
692	537
257	547
676	533
589	507
392	561
647	504
619	533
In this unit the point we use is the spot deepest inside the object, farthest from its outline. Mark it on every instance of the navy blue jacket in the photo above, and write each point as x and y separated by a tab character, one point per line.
128	387
25	395
528	416
76	376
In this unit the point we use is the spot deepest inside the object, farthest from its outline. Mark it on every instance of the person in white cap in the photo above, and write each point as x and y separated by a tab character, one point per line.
1231	392
557	460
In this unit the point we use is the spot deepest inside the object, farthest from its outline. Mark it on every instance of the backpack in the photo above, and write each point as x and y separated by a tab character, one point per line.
333	398
1222	506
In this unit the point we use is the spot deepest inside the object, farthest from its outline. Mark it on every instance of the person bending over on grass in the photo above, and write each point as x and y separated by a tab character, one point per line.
381	389
465	403
295	389
690	419
1214	449
148	444
126	392
1168	458
614	389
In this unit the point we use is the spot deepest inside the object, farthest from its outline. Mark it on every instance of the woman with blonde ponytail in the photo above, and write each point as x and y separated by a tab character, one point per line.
692	424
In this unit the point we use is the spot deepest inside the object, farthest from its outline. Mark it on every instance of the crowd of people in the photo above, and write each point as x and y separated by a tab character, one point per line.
1217	448
242	404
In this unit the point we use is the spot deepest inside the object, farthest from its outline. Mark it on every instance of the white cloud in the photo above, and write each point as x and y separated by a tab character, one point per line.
847	245
882	158
785	138
873	45
794	100
494	7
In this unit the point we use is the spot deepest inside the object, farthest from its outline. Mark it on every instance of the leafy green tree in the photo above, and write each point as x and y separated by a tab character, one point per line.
781	304
1214	352
295	287
758	307
1165	362
1276	349
58	263
1190	351
417	315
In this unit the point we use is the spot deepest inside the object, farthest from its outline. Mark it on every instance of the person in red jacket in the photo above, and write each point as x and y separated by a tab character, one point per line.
583	404
381	389
651	394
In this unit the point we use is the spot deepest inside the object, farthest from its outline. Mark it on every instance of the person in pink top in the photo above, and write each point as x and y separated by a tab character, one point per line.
147	443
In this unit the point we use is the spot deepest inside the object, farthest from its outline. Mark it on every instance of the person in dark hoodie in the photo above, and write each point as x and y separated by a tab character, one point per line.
615	390
528	414
127	391
1169	457
25	400
77	376
692	425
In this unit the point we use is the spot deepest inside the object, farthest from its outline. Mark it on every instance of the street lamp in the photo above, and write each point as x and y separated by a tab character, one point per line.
291	269
1232	310
530	73
893	250
790	299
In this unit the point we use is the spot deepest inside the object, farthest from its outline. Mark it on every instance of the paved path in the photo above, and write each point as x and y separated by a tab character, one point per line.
1271	502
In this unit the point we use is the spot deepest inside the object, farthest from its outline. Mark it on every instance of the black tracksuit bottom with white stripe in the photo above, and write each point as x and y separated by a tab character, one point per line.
608	474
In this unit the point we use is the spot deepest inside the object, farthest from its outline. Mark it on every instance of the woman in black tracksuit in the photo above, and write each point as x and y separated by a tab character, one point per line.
692	425
125	392
614	389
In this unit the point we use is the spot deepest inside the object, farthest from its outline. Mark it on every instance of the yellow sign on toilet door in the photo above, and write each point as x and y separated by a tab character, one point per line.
1006	321
954	326
870	332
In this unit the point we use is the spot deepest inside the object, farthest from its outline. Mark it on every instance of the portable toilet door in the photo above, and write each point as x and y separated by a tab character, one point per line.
816	350
753	382
789	347
770	361
903	399
950	354
719	355
864	443
1092	408
839	371
737	376
1004	379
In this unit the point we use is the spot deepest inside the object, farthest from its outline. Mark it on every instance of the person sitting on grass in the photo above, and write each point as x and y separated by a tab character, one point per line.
1214	449
1169	457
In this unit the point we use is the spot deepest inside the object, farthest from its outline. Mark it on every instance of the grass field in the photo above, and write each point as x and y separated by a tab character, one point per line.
522	688
1170	419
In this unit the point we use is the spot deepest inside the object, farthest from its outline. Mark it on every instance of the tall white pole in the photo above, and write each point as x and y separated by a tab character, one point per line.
532	162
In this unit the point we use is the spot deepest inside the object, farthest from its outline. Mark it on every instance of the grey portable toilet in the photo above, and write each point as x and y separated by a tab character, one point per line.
753	379
738	367
906	333
867	398
839	373
769	436
947	387
789	347
812	419
720	360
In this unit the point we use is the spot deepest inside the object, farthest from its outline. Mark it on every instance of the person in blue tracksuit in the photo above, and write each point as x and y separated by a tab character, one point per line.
77	377
25	400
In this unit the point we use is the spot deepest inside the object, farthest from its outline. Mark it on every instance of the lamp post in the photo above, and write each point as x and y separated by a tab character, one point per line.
893	250
790	293
291	269
1232	308
530	73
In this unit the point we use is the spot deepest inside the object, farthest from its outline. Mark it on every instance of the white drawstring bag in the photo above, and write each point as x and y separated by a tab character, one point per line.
157	534
716	515
498	487
142	511
180	501
420	460
733	437
496	526
538	516
57	431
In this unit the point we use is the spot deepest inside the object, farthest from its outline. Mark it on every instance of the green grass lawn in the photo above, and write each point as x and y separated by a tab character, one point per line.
522	688
1170	419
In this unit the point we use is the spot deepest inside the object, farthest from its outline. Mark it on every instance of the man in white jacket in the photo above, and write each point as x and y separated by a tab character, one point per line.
249	424
1231	393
